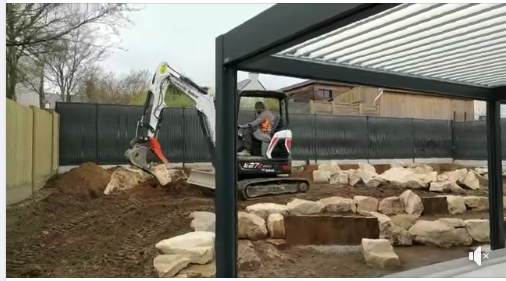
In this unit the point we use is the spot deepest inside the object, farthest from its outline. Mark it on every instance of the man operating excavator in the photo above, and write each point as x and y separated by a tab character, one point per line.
260	128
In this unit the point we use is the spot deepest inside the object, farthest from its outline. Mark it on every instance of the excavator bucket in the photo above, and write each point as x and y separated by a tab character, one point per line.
202	177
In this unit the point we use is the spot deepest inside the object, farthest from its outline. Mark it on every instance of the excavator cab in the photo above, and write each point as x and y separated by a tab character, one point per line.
275	102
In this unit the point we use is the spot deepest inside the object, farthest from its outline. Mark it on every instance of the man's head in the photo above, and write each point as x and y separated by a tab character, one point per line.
259	107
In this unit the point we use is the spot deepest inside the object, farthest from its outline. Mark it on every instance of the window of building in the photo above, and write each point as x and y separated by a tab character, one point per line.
326	94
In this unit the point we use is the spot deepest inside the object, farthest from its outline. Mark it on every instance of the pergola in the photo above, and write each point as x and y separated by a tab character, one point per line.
453	50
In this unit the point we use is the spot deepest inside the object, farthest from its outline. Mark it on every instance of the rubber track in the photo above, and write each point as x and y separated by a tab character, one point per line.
249	183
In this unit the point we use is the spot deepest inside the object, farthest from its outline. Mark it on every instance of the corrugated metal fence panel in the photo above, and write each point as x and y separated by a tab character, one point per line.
115	129
432	138
196	146
303	130
78	138
390	138
340	137
470	140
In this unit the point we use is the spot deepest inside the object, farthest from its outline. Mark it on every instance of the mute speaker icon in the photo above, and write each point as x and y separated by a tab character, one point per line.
476	256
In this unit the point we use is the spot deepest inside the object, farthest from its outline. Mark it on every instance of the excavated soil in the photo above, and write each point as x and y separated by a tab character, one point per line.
76	231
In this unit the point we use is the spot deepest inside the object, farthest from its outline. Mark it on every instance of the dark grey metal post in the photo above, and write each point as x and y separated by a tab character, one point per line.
225	200
495	191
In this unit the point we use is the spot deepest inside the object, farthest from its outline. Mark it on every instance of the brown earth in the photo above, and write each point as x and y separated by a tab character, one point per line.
76	231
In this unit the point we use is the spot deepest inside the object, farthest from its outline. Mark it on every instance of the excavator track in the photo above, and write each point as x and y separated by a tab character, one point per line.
259	187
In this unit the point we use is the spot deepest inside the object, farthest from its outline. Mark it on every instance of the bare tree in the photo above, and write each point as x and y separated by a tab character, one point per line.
38	29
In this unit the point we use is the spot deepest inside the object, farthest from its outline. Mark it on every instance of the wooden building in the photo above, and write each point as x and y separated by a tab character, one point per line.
344	99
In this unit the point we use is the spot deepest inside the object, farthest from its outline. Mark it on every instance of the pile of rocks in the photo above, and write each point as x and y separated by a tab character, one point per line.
416	176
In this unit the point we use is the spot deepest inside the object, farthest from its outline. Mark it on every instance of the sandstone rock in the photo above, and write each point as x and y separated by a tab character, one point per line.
369	178
125	178
456	204
454	222
391	206
470	181
263	210
321	176
367	167
440	234
203	221
167	266
339	205
481	179
420	168
479	230
340	177
412	203
378	253
279	244
276	226
247	258
407	178
198	271
455	188
366	203
476	203
404	221
304	207
197	246
481	170
251	226
453	176
354	177
393	233
331	167
440	186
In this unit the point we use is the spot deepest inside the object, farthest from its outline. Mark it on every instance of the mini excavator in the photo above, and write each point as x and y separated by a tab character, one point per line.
265	172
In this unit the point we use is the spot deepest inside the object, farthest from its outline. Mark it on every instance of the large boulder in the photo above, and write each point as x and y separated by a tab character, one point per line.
476	203
412	203
470	181
125	178
276	226
338	204
203	221
167	266
453	176
454	222
367	167
263	210
305	207
340	177
378	253
197	246
440	234
479	230
321	176
391	206
354	177
366	203
441	186
369	178
407	178
405	221
456	204
331	167
388	230
251	226
247	258
198	271
421	168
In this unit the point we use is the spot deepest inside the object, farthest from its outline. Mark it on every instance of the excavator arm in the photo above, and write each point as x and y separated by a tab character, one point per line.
148	126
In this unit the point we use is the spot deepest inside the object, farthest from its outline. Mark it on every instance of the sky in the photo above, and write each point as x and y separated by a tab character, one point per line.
183	35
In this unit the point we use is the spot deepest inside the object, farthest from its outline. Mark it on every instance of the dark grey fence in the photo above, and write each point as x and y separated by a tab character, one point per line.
101	133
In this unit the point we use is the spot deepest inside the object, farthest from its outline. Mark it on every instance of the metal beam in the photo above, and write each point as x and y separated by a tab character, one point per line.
285	25
225	200
328	72
500	93
495	188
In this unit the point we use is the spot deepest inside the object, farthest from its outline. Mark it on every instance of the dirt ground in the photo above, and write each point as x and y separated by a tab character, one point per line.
70	229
